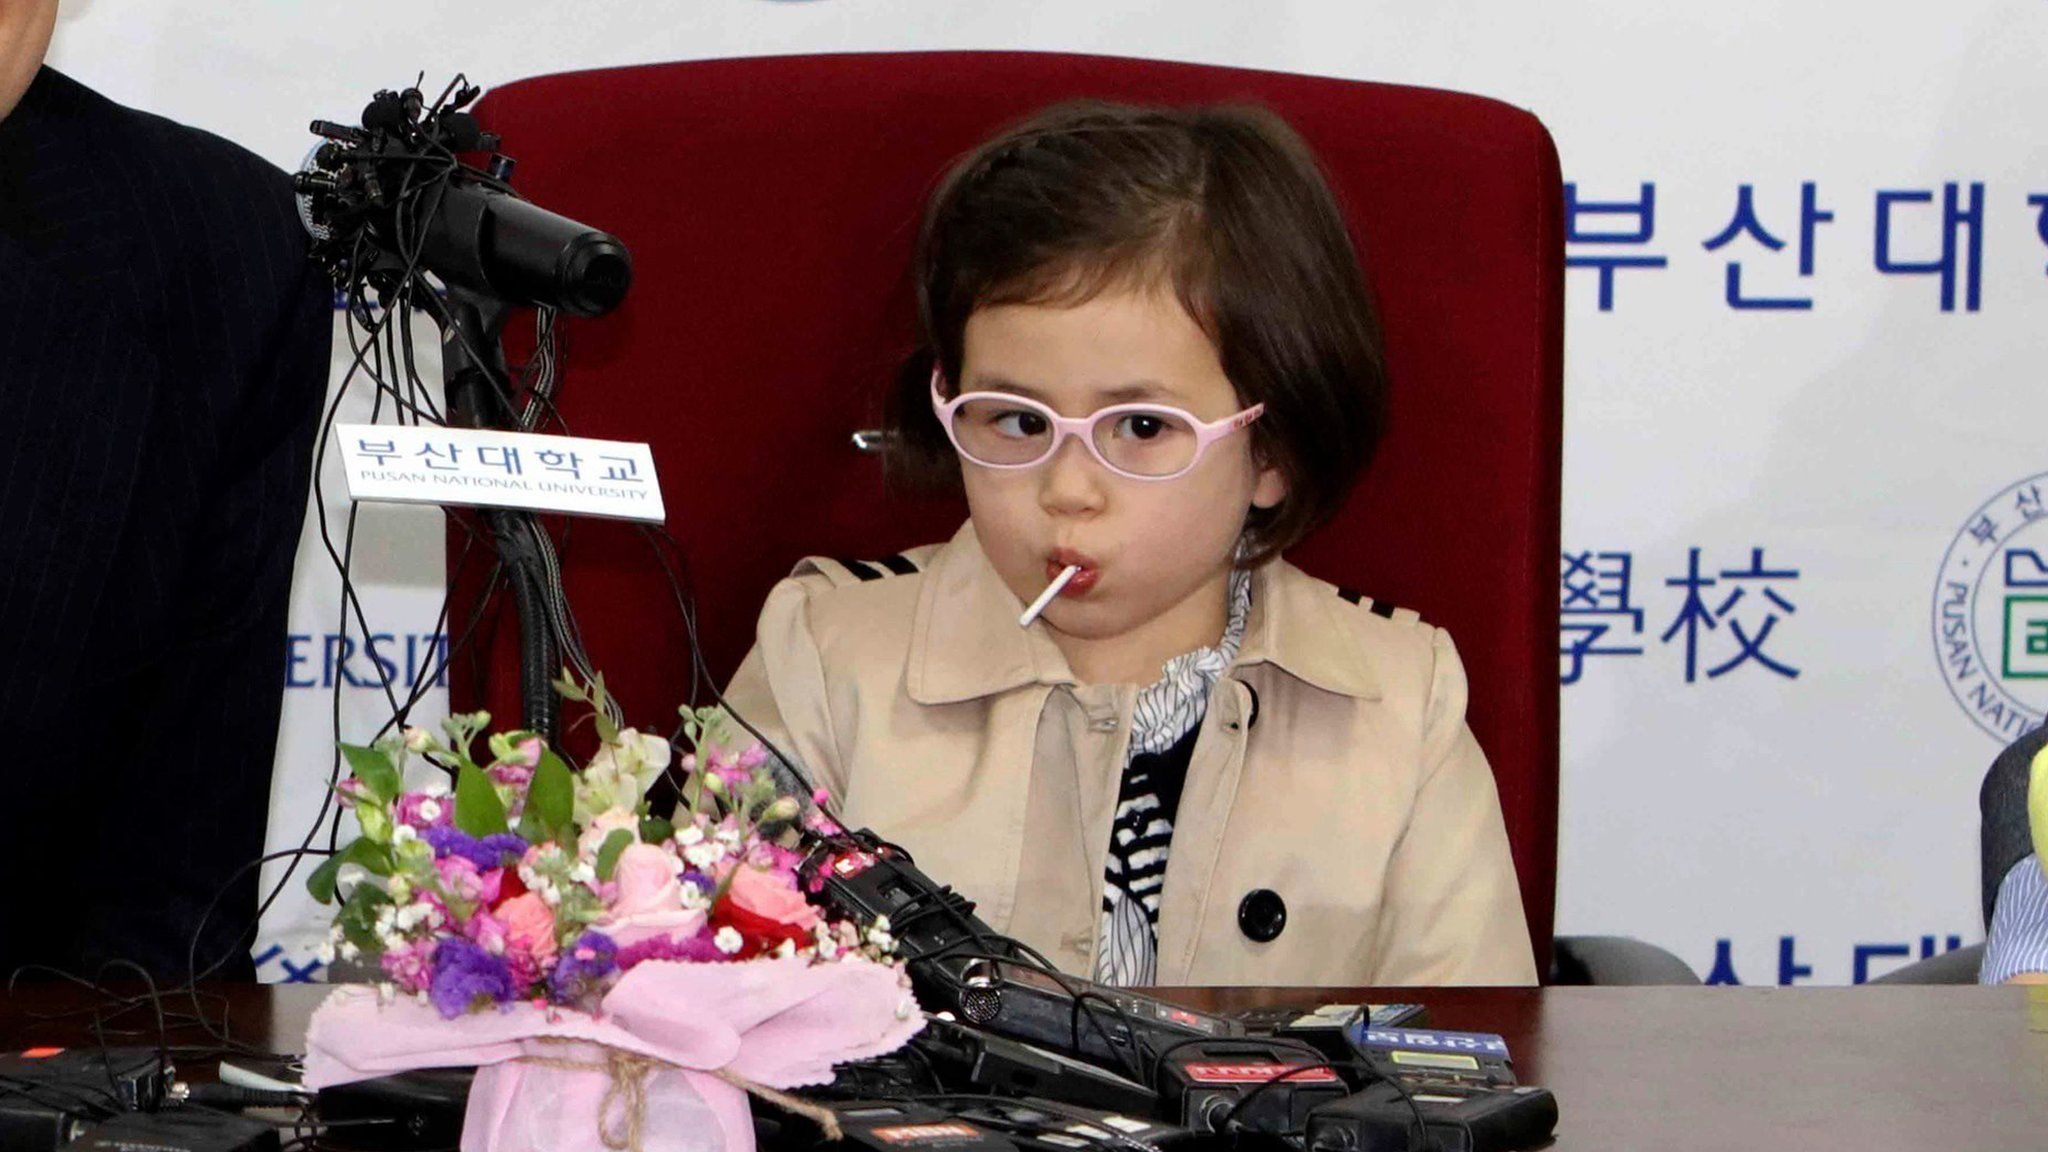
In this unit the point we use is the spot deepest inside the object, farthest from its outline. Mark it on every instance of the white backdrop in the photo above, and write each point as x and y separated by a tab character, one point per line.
1772	768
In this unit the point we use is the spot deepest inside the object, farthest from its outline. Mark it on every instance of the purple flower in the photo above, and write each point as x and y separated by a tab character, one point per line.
466	976
581	965
694	949
497	850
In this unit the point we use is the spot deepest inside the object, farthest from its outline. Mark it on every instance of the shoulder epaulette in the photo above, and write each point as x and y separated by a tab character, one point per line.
860	571
1381	608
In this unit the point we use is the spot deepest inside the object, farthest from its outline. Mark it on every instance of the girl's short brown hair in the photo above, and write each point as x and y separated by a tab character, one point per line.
1225	204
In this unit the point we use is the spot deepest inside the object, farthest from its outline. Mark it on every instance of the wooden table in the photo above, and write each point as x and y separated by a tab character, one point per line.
1727	1069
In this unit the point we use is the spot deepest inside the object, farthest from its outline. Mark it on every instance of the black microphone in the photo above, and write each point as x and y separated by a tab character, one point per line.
492	242
393	195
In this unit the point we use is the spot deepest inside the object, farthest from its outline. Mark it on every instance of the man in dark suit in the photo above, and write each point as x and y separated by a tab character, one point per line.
163	355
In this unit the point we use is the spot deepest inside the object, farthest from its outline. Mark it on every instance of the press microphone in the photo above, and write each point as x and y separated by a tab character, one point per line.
392	196
491	241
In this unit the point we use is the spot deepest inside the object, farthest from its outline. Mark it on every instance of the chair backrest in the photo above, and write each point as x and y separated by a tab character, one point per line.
2006	837
771	204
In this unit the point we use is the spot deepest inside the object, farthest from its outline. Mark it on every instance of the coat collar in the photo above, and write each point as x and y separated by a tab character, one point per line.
965	643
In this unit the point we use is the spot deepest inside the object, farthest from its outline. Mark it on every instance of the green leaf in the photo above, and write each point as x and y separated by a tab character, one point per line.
478	811
608	853
378	774
358	918
606	730
654	830
372	856
321	882
552	795
362	935
376	822
567	688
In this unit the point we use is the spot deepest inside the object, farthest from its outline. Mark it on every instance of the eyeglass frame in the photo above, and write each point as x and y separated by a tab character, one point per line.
1082	428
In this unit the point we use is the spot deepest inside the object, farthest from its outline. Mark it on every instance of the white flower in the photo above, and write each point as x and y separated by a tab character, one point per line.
785	949
405	833
349	951
693	897
583	873
436	785
325	952
347	877
728	940
704	855
730	837
418	739
387	917
881	924
398	888
689	834
430	810
828	949
621	773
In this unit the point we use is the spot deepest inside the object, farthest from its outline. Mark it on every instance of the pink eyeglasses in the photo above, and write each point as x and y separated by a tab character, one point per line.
1141	441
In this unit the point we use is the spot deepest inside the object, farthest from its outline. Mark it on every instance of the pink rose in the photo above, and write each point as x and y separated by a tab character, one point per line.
649	899
764	898
601	828
529	926
488	932
646	879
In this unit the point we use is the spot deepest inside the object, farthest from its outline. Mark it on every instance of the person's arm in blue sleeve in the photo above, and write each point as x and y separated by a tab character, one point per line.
2016	951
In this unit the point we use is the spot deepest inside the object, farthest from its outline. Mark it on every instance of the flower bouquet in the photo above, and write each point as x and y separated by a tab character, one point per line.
619	978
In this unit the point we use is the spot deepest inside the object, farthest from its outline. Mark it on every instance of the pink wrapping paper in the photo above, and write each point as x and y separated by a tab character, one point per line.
544	1073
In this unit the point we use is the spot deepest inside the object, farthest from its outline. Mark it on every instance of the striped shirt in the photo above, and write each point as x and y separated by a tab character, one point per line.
2018	940
1164	724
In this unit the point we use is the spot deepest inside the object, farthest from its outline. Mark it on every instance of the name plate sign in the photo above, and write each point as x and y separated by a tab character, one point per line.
476	467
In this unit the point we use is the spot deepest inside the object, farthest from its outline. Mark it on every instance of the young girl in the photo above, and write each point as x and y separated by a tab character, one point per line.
1151	362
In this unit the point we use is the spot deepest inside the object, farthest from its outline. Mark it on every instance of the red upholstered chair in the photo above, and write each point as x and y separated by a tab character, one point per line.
770	205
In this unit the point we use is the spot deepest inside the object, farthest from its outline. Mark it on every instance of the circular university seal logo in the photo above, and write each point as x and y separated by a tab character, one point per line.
1991	612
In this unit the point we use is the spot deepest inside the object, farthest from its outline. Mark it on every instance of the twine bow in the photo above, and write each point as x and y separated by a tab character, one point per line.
622	1114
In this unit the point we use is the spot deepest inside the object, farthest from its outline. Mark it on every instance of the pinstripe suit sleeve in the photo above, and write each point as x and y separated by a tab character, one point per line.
163	355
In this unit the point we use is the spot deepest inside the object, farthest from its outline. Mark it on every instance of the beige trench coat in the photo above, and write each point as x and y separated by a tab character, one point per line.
1334	771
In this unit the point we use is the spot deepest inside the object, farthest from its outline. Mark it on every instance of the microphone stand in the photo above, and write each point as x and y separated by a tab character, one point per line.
479	395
